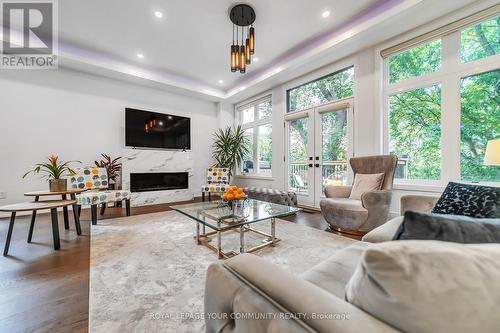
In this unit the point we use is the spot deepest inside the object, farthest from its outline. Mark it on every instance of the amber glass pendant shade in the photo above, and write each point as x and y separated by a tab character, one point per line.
242	59
248	57
252	40
234	65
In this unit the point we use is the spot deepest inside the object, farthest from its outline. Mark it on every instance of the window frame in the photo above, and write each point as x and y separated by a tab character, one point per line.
449	75
288	90
255	126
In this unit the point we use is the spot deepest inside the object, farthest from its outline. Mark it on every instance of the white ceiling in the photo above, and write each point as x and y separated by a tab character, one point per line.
193	37
187	50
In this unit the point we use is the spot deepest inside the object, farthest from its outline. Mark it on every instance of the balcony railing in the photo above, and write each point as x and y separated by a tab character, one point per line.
332	171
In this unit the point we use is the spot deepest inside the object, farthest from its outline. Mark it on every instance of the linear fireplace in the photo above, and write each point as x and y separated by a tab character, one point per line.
158	181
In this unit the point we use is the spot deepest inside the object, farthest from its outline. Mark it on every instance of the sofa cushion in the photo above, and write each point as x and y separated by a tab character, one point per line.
334	273
384	232
365	183
469	200
429	286
450	228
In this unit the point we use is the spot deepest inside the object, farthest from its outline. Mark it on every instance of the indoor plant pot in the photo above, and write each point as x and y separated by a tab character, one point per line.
58	185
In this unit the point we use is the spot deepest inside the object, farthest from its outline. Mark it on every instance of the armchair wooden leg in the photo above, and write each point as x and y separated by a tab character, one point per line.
209	197
93	212
103	208
127	207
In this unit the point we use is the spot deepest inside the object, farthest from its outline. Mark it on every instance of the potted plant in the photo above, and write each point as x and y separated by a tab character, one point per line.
113	168
55	171
230	147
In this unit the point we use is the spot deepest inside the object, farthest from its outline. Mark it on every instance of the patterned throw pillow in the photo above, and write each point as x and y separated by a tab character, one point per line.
469	200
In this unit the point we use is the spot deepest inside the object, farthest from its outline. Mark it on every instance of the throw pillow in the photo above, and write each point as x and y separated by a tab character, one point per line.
469	200
365	183
429	286
450	228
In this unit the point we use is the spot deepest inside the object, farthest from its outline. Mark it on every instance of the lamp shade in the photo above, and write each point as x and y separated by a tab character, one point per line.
492	155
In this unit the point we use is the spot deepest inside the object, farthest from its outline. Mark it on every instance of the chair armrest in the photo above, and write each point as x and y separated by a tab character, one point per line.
337	191
417	203
293	295
376	199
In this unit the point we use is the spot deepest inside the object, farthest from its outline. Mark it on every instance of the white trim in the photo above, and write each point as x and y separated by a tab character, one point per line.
447	29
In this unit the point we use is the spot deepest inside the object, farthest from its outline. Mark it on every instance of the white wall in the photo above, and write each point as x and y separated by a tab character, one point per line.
79	116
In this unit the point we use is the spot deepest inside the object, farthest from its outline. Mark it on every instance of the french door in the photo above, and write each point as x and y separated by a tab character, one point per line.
319	143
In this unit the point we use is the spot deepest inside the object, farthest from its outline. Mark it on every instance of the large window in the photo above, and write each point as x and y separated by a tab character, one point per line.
255	119
479	122
455	94
415	132
323	90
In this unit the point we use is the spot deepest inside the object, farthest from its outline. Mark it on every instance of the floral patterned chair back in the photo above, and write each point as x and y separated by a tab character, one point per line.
218	176
89	179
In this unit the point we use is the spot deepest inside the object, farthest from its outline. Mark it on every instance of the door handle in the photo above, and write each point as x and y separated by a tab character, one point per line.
317	165
310	165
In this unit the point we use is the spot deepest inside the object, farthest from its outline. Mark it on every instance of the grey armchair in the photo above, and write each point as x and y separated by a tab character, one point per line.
360	216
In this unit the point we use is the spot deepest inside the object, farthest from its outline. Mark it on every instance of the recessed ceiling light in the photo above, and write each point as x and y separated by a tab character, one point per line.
140	55
158	14
221	81
325	14
255	59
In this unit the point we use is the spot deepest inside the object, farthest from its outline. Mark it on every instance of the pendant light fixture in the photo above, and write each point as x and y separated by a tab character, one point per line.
241	55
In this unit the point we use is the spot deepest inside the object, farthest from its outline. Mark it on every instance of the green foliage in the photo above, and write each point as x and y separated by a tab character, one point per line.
265	143
335	86
112	166
480	122
415	131
334	131
53	169
422	59
481	40
230	147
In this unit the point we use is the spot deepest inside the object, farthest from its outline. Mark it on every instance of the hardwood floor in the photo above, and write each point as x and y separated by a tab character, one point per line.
42	290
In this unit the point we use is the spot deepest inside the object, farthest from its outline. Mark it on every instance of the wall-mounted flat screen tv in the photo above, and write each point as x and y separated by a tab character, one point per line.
147	129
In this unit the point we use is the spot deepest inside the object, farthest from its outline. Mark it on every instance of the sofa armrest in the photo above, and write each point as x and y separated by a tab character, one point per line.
264	286
376	199
337	191
417	203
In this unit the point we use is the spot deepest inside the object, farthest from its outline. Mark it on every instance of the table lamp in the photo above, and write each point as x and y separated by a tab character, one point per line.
492	154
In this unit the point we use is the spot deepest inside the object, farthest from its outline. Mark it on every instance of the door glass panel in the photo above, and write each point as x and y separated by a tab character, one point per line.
298	159
334	148
247	164
265	149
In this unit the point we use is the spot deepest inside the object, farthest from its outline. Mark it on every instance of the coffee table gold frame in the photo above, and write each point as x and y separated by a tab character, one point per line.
203	238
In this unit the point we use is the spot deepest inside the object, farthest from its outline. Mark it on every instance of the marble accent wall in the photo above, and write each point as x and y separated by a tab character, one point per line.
136	160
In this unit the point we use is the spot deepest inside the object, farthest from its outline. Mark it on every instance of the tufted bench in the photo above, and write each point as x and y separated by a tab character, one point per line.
270	195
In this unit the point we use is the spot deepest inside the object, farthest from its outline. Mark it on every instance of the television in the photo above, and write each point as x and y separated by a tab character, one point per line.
147	129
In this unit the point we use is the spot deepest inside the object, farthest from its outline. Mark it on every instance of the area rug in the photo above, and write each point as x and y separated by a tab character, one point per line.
148	275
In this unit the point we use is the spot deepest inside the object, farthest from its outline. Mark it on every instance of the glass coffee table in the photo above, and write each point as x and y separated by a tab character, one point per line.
222	218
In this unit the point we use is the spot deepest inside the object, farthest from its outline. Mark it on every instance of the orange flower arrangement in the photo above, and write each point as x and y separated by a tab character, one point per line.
233	193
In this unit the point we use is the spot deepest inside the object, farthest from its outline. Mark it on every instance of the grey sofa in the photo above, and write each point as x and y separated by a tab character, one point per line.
360	216
247	284
275	196
386	231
